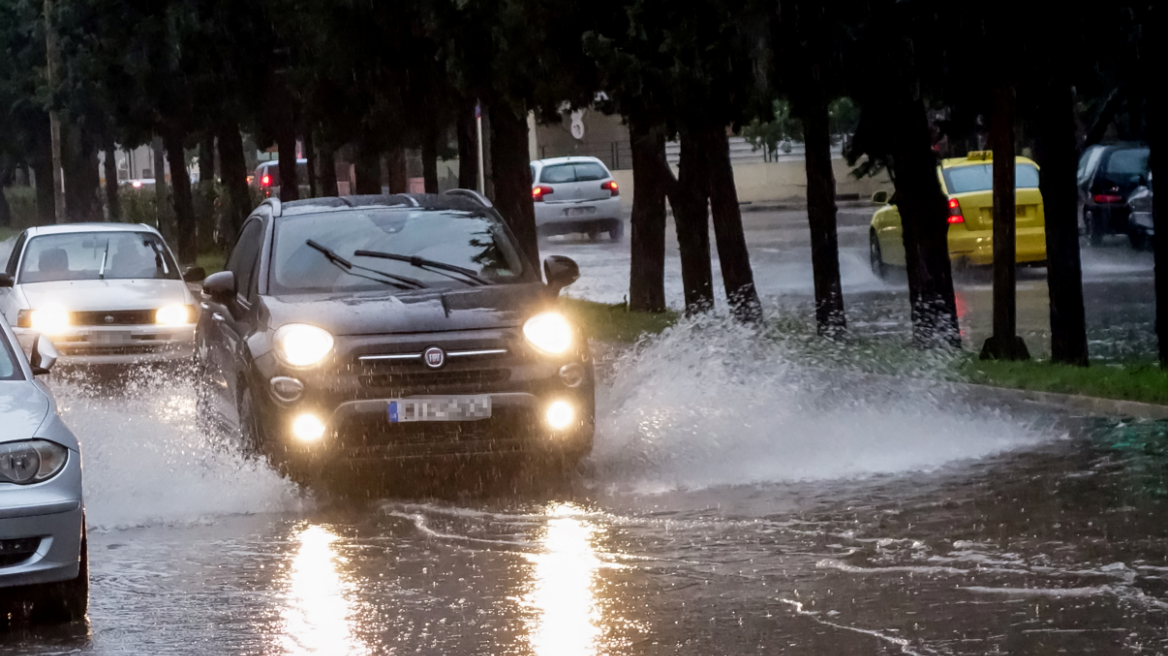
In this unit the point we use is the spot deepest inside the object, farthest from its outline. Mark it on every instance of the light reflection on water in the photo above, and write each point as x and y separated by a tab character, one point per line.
562	594
315	617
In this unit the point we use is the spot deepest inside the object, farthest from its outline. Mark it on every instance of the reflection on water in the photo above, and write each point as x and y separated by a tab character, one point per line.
567	617
315	615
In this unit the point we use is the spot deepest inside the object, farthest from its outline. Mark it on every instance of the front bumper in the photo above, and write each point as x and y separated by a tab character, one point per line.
94	345
50	513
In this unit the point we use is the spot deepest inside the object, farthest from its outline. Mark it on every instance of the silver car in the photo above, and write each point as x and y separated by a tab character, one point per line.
105	293
43	556
576	194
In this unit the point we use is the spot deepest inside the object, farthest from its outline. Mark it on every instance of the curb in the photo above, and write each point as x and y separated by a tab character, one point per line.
1092	405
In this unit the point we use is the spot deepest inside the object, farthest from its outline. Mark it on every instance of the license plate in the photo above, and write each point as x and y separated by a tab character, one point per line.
439	408
579	211
109	337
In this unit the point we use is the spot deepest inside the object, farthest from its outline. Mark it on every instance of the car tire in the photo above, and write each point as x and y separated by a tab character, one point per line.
252	438
66	601
1095	227
617	231
1139	239
876	257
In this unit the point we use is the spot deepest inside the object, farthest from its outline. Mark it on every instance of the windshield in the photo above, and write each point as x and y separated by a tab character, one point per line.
965	179
463	239
8	368
95	256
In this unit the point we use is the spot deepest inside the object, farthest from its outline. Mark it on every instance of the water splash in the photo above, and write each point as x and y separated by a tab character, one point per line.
710	402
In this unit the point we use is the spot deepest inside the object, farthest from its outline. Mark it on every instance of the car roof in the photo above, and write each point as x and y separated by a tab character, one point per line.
275	162
447	201
90	227
978	157
568	160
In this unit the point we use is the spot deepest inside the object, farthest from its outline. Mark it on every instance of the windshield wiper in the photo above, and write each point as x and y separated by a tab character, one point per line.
347	267
429	265
104	256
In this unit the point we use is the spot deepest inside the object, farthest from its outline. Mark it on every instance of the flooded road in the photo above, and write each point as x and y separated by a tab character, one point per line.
746	502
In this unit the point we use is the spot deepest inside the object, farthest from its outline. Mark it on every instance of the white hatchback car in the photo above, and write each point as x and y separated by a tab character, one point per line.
576	194
105	293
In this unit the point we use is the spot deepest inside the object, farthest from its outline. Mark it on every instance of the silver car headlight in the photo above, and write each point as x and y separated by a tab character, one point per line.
31	461
549	332
301	345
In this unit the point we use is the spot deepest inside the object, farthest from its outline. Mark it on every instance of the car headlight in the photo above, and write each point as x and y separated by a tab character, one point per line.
50	319
175	315
31	461
301	345
549	332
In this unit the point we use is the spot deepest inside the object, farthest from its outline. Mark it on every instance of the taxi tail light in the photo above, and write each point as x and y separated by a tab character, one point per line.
538	192
266	181
955	215
612	186
1108	198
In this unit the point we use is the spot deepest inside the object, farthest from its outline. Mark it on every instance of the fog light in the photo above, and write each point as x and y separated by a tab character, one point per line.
307	428
287	389
572	374
560	415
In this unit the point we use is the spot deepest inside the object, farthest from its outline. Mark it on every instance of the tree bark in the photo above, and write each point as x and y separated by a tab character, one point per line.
184	210
82	181
1159	144
367	169
234	174
395	164
328	171
286	150
692	219
650	186
737	276
468	155
924	216
42	167
5	209
205	210
430	157
512	177
310	155
821	213
162	207
1057	157
113	203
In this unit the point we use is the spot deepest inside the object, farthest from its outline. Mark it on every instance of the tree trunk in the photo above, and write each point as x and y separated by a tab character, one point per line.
328	171
1156	135
42	167
924	216
184	209
692	218
286	150
1056	155
162	207
468	154
737	276
5	209
821	213
650	186
395	164
512	177
82	181
234	173
205	226
310	155
430	158
112	202
367	169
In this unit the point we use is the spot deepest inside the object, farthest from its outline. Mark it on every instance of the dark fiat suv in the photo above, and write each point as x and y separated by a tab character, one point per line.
377	329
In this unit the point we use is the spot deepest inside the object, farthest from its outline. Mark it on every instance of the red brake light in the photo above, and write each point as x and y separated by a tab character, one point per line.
1108	198
266	181
612	186
537	193
955	215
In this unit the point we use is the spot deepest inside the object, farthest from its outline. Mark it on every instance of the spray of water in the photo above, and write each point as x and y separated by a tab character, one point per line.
146	462
710	402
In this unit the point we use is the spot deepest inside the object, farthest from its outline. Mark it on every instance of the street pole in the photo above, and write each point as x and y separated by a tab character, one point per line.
1005	343
479	131
53	61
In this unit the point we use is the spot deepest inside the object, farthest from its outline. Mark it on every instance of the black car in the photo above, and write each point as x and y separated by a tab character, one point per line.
1140	207
365	330
1107	176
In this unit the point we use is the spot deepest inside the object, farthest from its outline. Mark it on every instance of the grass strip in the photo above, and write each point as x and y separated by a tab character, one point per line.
616	322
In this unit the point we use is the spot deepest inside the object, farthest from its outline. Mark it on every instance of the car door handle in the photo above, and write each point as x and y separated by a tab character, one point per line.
215	316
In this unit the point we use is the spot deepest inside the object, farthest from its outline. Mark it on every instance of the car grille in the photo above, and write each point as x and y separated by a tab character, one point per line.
114	318
467	382
507	430
17	551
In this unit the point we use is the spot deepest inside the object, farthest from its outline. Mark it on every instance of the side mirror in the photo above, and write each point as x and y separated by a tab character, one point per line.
560	272
194	274
5	279
44	355
880	197
220	286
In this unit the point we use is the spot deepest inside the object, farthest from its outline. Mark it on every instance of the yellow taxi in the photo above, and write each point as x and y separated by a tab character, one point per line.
968	182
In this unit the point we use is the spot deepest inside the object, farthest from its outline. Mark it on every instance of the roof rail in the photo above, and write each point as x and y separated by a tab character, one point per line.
273	203
469	193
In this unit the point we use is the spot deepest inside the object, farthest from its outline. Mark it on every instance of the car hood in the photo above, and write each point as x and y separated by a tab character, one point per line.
372	313
98	295
23	407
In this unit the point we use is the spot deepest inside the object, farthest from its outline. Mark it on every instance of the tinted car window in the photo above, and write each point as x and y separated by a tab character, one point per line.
1128	162
8	368
244	255
964	179
558	173
1088	162
590	172
474	241
97	255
